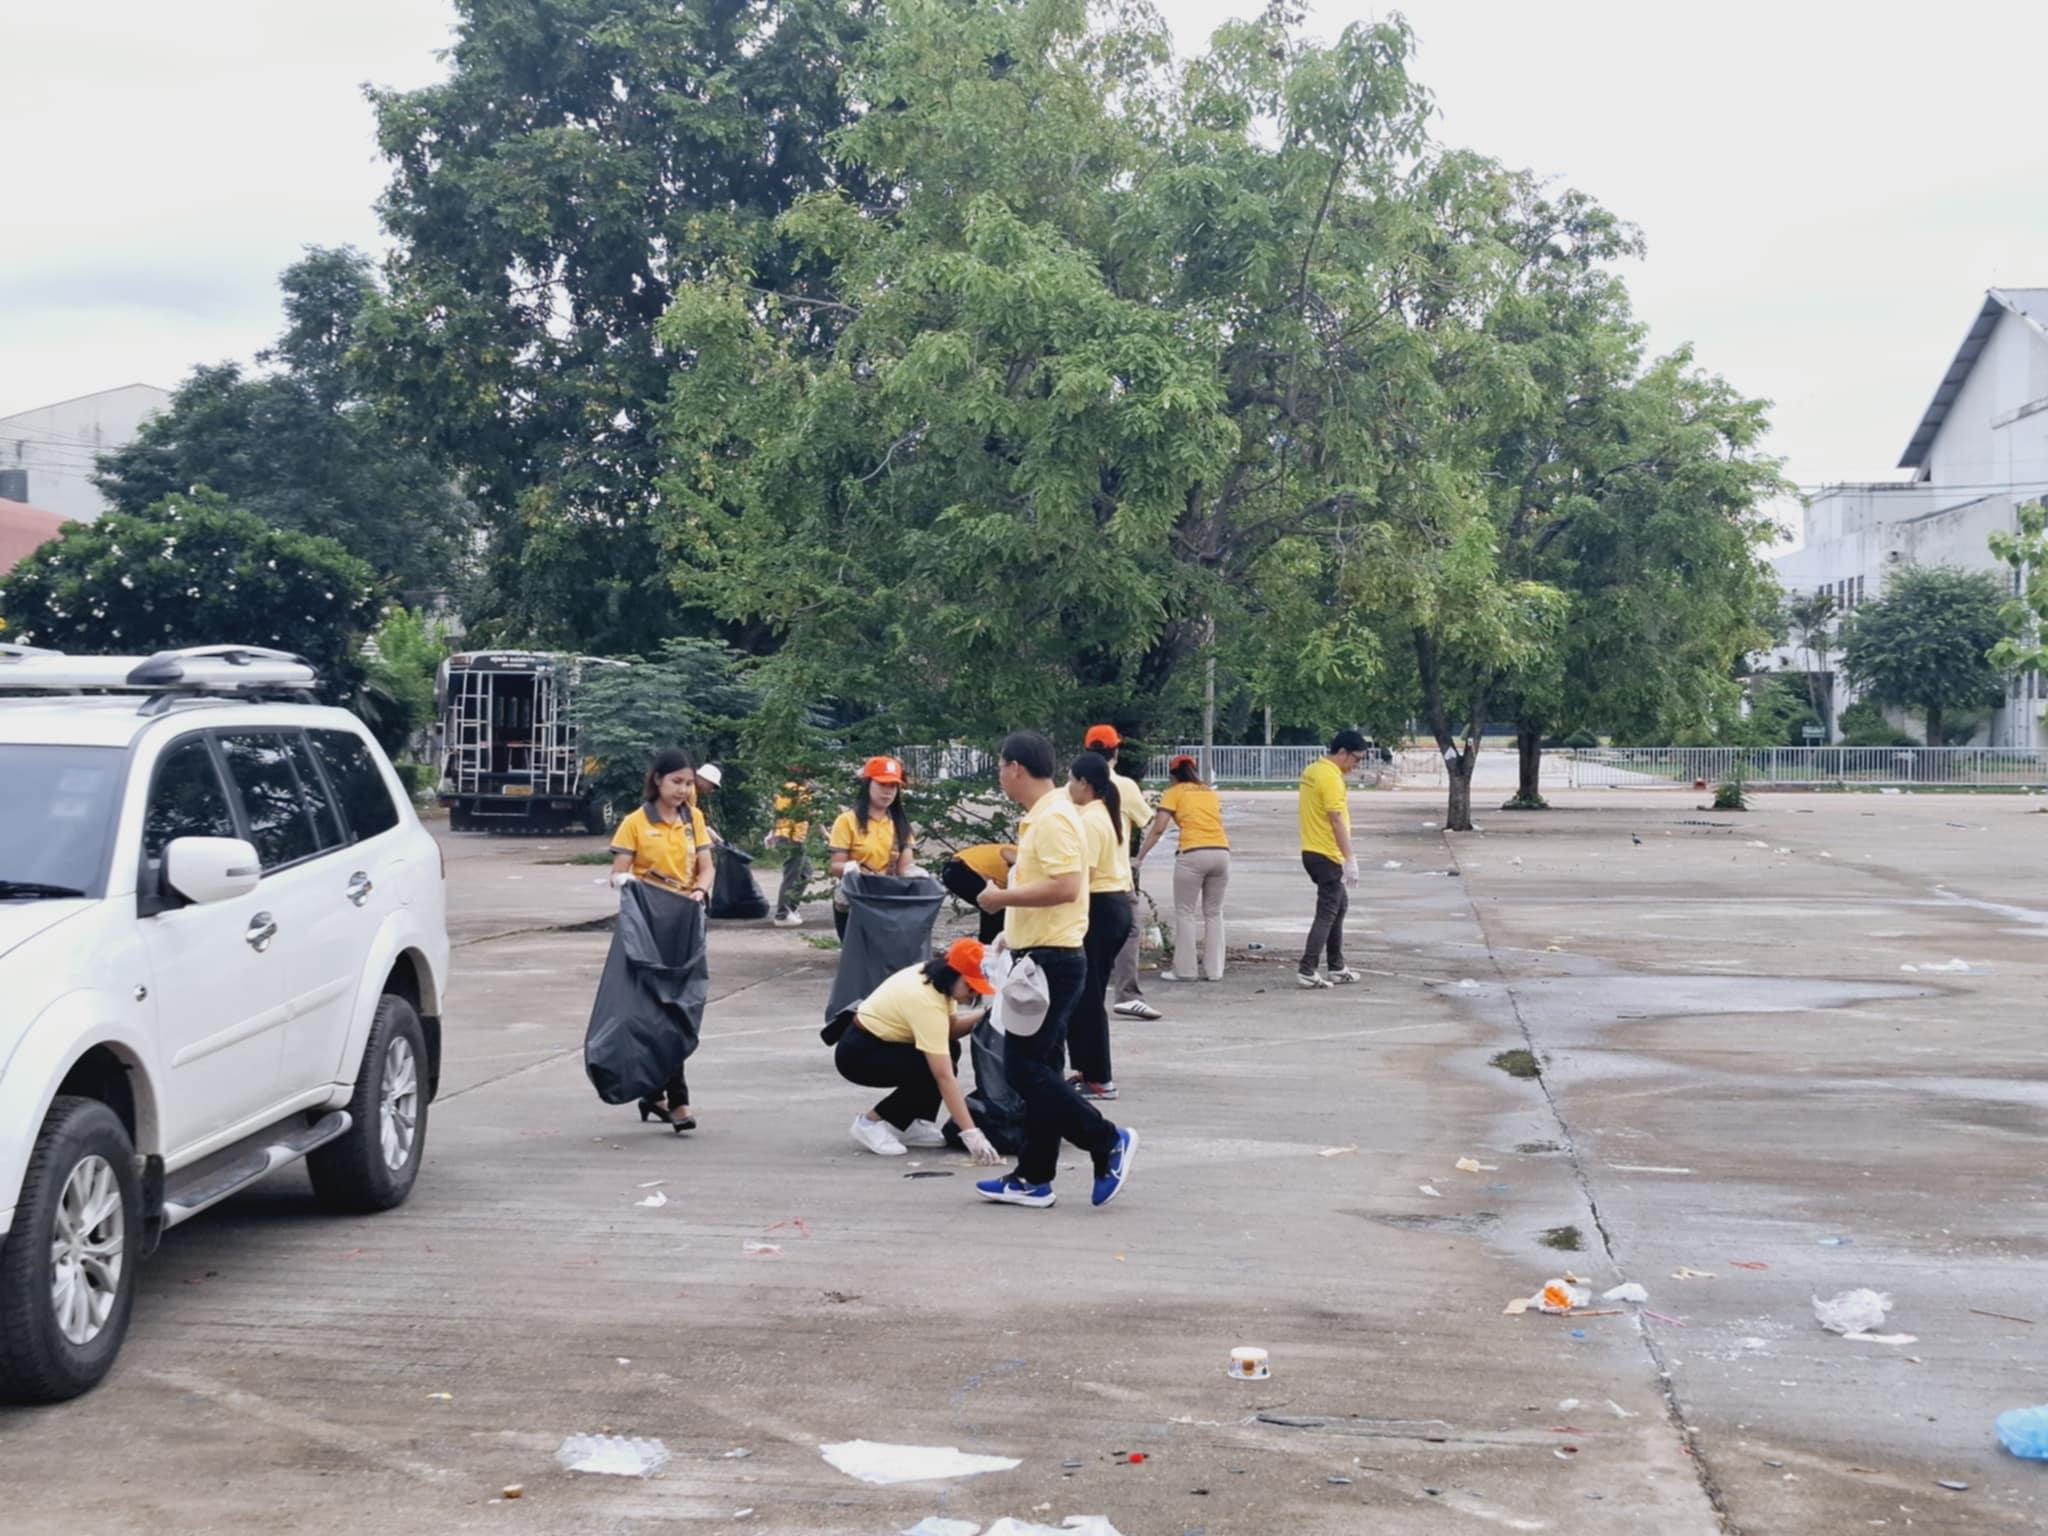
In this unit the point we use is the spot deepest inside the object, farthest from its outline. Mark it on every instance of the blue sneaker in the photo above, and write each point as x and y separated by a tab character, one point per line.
1107	1187
1011	1190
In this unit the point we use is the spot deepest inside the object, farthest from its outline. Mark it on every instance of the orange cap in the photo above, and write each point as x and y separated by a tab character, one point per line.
1102	736
883	770
965	956
1178	760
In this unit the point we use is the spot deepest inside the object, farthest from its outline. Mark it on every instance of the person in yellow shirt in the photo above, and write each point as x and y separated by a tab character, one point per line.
666	844
905	1036
1091	787
874	834
971	871
1046	921
1327	855
792	827
1125	767
1201	869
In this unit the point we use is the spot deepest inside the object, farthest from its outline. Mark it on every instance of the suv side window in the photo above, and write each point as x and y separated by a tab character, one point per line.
186	800
354	774
274	802
319	798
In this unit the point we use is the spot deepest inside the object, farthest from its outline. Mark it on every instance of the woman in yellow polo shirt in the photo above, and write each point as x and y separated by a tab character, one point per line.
906	1037
1201	869
874	834
1094	792
666	843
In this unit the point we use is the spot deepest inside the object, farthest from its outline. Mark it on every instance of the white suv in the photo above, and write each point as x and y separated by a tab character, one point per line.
222	948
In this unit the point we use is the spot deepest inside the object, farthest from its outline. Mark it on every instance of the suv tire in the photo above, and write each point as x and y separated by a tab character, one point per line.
80	1209
372	1167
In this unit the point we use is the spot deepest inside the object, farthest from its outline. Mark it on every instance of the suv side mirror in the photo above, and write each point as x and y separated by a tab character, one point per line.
208	869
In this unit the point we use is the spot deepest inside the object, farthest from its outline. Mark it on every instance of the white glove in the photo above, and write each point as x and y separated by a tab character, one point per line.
1351	873
853	873
985	1153
620	877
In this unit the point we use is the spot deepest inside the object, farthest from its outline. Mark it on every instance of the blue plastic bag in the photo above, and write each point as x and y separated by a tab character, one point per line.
2024	1432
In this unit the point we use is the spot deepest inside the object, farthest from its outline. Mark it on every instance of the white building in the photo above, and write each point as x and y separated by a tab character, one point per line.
1980	451
47	455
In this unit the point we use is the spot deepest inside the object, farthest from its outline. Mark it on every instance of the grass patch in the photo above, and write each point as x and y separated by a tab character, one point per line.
1563	1239
593	856
1518	1063
822	940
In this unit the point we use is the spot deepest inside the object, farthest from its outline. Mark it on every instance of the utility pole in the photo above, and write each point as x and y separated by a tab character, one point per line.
1209	700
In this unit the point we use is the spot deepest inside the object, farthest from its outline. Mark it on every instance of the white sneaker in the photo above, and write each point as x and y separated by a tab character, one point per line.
1170	976
1345	977
1312	980
876	1136
1136	1008
921	1133
789	920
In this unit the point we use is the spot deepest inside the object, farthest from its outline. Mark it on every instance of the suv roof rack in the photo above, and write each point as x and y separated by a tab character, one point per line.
199	669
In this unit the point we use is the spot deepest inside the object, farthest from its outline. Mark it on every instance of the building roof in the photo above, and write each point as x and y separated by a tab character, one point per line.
23	530
2030	304
51	405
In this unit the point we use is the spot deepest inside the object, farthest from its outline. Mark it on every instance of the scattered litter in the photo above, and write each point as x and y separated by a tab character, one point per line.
654	1183
874	1461
1516	861
1619	1411
2006	1317
1749	1263
1518	1306
1755	844
623	1360
1784	850
1255	948
1882	1338
743	1514
1391	864
1684	1273
440	1397
1338	1482
1891	791
1642	1168
1473	1165
1663	1318
1248	1363
654	1202
1950	967
1951	1485
2024	1432
513	1491
1075	1525
1468	984
1577	1333
939	1525
1856	1311
1135	1459
929	1173
1836	1242
1337	1151
1561	1296
1567	1405
1629	1291
755	1248
737	1454
794	1221
1431	1190
1565	1452
612	1455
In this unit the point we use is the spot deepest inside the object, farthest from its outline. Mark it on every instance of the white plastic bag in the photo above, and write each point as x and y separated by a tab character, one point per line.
1853	1311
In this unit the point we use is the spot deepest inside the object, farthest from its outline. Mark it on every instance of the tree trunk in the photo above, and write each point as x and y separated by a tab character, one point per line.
1529	747
1458	811
1933	725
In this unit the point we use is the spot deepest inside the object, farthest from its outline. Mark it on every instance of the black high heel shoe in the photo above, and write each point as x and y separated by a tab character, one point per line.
651	1109
682	1123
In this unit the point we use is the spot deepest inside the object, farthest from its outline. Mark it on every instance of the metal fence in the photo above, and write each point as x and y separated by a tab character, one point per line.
1800	767
1259	765
930	764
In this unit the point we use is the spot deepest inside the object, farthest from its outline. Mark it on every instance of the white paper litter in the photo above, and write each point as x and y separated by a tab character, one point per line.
1391	864
654	1202
1431	1190
1882	1338
1852	1312
612	1456
939	1525
1627	1292
874	1461
1075	1525
1954	967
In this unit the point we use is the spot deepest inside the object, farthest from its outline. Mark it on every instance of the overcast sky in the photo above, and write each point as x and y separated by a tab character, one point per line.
1825	197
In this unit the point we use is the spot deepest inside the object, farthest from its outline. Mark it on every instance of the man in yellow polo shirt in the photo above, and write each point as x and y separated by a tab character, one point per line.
1046	917
1327	855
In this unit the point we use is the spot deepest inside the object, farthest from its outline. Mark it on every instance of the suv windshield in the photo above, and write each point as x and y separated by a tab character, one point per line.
57	819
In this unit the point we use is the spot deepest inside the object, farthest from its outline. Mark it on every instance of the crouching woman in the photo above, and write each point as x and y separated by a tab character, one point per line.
905	1037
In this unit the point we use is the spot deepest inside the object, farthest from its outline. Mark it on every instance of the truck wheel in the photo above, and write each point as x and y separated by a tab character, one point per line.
67	1270
461	818
372	1166
599	817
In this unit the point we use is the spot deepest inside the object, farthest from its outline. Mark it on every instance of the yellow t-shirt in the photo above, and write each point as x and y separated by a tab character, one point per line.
1137	816
1049	842
1322	791
1197	810
1109	857
793	812
987	861
663	851
874	849
907	1010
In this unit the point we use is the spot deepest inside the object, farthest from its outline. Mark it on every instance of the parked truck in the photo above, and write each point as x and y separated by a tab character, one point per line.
508	751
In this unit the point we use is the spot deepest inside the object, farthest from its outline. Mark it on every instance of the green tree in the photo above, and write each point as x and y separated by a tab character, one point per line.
401	660
1810	619
584	162
1927	643
695	694
299	446
195	571
2024	648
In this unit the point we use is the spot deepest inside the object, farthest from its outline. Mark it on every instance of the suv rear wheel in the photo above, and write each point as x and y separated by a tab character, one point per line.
372	1167
67	1270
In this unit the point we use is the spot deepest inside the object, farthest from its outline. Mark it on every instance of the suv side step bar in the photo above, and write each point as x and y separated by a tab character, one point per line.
182	1204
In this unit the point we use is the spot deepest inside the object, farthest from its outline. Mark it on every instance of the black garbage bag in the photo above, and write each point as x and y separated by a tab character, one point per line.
735	892
650	999
997	1107
888	926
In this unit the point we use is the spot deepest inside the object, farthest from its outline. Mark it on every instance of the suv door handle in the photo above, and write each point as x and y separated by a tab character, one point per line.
262	929
359	887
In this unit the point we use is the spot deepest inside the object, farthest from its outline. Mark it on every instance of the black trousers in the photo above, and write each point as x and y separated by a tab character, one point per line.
897	1065
1326	932
968	884
1109	924
1036	1064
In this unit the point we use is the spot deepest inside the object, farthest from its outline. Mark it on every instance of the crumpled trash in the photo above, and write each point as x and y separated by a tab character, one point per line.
939	1525
1074	1525
1473	1165
1628	1291
2024	1432
654	1202
878	1462
1561	1296
1856	1311
1955	966
612	1455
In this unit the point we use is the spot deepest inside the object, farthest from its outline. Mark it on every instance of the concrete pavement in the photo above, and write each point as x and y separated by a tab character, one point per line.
1738	1079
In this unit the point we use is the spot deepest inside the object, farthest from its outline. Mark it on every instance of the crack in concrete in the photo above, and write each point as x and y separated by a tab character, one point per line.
1666	1382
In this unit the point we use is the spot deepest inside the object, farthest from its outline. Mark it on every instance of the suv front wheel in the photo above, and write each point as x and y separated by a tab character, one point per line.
67	1270
372	1166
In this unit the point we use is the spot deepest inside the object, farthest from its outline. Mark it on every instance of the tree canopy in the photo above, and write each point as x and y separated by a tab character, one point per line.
1927	643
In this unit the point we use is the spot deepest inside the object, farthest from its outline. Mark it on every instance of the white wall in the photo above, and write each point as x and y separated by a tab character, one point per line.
1996	431
57	444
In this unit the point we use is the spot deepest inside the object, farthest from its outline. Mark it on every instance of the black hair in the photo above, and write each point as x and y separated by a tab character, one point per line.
667	761
1092	769
942	977
1029	751
1184	771
1130	762
1349	740
899	818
